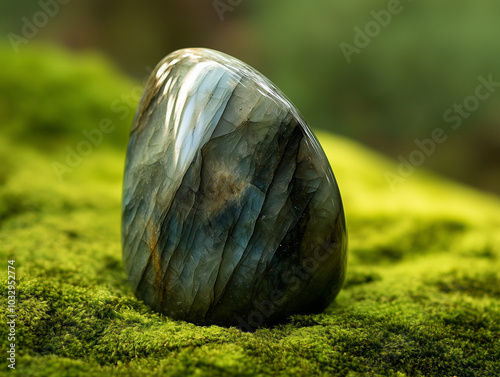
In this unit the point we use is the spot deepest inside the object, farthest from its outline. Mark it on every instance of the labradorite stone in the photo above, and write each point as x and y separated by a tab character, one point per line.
231	213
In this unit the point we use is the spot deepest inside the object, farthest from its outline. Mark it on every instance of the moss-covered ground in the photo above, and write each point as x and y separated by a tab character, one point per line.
421	298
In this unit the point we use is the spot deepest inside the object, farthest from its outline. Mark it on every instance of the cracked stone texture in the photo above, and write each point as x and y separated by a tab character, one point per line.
231	213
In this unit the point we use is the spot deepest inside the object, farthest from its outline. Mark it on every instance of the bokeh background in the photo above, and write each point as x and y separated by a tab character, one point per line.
422	289
399	83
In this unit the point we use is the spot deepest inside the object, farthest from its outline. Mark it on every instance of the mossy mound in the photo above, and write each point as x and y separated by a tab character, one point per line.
422	295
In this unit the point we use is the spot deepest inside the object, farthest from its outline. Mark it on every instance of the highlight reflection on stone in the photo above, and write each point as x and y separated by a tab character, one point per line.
231	212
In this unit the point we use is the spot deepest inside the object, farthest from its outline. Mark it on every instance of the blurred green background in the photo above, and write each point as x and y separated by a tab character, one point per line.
404	74
422	292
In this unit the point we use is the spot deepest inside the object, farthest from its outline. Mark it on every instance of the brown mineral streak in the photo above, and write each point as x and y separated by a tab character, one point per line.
155	257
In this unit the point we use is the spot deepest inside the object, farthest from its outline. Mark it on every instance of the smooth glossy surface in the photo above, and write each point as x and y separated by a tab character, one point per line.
231	213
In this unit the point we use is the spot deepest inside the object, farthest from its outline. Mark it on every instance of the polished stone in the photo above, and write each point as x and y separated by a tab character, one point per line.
231	213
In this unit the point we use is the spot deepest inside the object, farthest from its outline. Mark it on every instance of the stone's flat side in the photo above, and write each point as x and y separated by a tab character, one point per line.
228	200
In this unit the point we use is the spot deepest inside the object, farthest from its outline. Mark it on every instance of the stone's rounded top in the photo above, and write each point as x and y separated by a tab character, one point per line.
201	60
216	59
228	200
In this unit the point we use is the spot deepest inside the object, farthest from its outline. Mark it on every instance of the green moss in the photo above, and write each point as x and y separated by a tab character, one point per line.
484	284
49	97
422	294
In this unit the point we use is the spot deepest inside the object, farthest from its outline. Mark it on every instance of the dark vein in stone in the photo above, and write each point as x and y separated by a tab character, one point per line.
252	237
